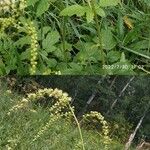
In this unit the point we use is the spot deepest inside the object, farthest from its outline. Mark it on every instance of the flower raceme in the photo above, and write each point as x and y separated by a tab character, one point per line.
61	109
6	5
105	128
56	110
15	10
10	5
31	31
62	100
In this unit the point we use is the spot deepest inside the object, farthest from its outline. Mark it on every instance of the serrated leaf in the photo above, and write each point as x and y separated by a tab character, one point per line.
106	3
51	62
23	41
25	55
89	14
54	36
31	2
100	12
42	32
73	10
51	39
113	56
42	7
108	40
75	66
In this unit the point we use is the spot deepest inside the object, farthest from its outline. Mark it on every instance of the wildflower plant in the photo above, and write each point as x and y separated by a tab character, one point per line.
60	109
105	128
74	37
31	31
13	17
61	102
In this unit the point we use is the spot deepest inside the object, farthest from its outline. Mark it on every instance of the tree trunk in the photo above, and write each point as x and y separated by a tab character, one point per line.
132	135
131	138
91	98
120	94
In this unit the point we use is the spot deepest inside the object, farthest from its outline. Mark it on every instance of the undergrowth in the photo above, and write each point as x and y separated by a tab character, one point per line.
26	124
74	37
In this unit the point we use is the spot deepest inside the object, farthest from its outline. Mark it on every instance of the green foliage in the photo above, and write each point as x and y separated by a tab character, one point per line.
73	10
74	37
43	112
106	3
21	125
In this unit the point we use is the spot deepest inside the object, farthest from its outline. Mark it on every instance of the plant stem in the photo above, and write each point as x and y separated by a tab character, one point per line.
63	34
78	125
63	31
98	31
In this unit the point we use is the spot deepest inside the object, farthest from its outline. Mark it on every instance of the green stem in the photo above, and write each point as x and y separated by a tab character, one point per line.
98	31
63	30
78	125
63	34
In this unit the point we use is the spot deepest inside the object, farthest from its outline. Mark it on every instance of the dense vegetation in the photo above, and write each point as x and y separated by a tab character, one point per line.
106	111
74	37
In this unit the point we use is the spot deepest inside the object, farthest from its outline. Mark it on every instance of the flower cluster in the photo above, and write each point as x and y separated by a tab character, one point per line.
49	71
6	22
31	31
22	5
56	110
14	7
22	104
61	109
46	127
6	5
105	127
62	99
17	9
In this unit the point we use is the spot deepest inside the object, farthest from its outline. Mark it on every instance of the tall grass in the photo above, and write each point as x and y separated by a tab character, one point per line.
19	129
